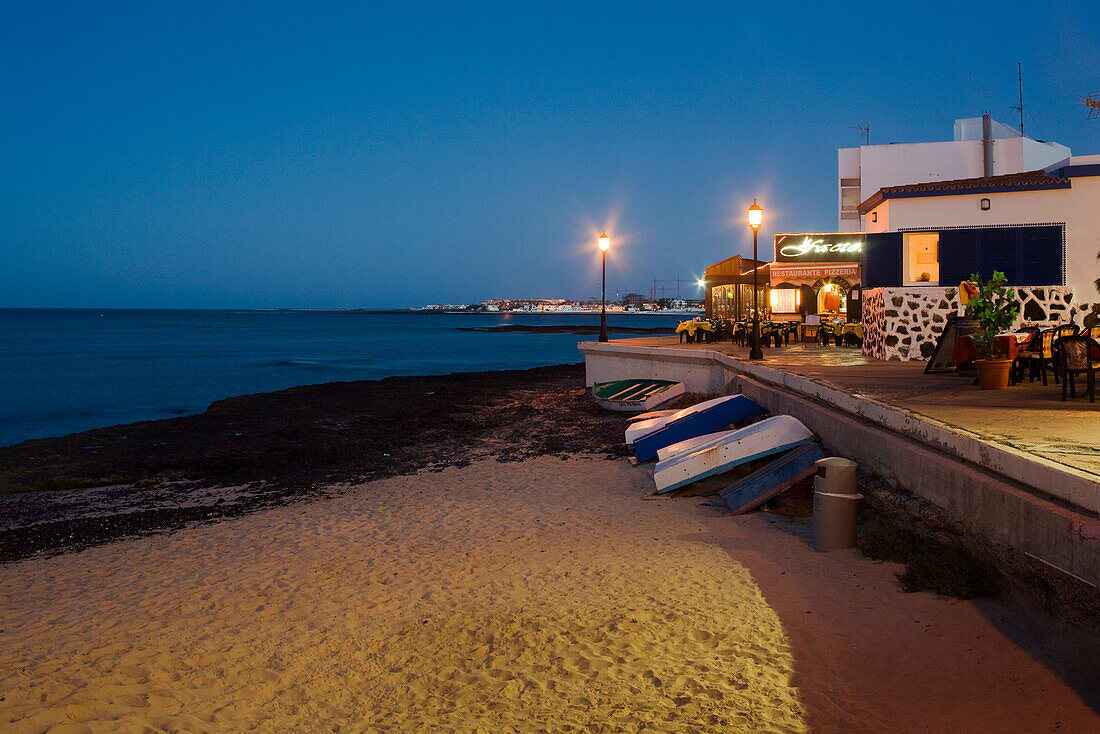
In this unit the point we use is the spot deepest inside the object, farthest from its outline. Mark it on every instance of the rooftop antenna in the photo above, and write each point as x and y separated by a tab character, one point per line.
1020	107
1092	101
864	130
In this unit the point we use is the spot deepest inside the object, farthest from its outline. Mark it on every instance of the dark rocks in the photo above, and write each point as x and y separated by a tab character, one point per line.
289	446
1033	312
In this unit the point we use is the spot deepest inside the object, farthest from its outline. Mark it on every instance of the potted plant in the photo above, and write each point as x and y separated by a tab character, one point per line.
994	307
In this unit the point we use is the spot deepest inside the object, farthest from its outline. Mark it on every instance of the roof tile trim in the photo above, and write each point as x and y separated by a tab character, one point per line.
1027	181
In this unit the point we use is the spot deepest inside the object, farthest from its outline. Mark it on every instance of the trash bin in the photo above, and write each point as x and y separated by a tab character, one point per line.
836	503
835	476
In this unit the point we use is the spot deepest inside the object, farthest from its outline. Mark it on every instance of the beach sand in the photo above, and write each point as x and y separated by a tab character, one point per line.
536	595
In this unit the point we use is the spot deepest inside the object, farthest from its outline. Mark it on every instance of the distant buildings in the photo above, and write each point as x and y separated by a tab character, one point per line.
632	302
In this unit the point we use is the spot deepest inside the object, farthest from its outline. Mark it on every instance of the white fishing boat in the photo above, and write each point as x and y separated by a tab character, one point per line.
650	415
641	428
719	452
692	444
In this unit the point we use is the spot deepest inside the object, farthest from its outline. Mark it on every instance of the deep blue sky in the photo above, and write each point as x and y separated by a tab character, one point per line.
190	154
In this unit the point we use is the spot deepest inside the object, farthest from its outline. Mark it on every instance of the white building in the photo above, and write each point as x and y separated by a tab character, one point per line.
1041	228
1065	199
981	147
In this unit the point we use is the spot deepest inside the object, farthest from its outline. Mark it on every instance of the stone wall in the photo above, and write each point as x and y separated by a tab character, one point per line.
904	323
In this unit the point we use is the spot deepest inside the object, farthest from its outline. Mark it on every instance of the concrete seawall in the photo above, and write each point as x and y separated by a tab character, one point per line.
1031	504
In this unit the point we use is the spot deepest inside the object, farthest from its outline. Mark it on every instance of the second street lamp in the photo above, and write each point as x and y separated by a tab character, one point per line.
756	217
605	242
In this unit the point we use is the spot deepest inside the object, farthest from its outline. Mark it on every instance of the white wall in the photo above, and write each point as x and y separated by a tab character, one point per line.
1078	207
1039	154
898	164
907	163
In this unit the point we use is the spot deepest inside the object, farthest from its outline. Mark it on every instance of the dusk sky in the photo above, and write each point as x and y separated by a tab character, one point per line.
277	154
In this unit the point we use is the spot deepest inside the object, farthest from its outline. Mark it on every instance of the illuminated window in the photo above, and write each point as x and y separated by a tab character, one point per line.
785	300
922	258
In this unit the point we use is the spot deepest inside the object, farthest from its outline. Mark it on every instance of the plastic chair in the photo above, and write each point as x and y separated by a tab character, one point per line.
1076	355
1040	351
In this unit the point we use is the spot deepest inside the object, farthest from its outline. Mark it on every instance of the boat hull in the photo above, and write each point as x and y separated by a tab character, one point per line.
721	413
644	426
635	396
728	450
778	476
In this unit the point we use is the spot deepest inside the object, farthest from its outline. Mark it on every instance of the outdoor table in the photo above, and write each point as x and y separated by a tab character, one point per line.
1007	344
690	327
845	329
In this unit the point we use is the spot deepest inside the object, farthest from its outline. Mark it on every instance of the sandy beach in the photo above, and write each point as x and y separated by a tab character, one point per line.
545	594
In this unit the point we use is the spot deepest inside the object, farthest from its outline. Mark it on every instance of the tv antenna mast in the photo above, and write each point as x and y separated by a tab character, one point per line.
1092	101
864	130
1020	107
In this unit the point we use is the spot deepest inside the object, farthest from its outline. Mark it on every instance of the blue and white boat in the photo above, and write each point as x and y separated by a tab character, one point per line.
700	419
720	452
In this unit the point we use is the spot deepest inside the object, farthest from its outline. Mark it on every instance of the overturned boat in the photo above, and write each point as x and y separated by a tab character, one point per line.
649	437
720	452
635	395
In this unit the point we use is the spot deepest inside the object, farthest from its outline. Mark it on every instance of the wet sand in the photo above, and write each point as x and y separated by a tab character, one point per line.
544	594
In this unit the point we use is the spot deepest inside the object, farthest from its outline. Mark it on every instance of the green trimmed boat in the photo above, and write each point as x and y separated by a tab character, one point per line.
636	395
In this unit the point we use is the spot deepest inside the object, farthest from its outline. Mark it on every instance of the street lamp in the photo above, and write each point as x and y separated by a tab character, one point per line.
605	242
756	216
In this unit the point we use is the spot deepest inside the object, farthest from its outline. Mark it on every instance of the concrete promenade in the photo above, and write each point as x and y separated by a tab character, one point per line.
1018	465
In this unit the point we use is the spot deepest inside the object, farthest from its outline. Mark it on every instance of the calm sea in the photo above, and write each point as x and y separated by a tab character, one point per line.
63	371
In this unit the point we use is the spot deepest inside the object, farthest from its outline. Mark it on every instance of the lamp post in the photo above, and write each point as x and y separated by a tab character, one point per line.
605	242
756	216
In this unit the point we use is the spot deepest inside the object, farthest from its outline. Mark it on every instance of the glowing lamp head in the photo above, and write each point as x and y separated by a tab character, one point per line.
605	242
701	283
756	215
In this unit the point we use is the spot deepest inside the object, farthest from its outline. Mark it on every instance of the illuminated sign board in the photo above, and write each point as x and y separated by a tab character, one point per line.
796	272
818	248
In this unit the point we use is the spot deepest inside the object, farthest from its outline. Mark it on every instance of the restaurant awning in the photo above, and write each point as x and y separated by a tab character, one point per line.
810	274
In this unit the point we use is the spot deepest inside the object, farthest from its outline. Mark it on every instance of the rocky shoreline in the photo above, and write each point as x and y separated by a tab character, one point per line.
255	451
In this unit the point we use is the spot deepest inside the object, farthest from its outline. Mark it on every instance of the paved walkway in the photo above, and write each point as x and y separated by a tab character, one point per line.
1030	417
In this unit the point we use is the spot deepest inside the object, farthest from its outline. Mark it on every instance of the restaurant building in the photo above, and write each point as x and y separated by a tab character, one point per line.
729	287
1040	228
816	274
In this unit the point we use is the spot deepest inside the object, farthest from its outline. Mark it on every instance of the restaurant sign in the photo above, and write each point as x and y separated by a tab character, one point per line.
818	248
780	273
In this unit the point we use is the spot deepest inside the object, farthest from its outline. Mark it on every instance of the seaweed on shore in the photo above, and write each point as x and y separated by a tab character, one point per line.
942	567
286	446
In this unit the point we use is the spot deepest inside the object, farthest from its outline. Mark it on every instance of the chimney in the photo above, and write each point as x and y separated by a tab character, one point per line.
987	145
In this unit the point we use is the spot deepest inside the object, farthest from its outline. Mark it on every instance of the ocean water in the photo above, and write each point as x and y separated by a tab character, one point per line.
63	371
